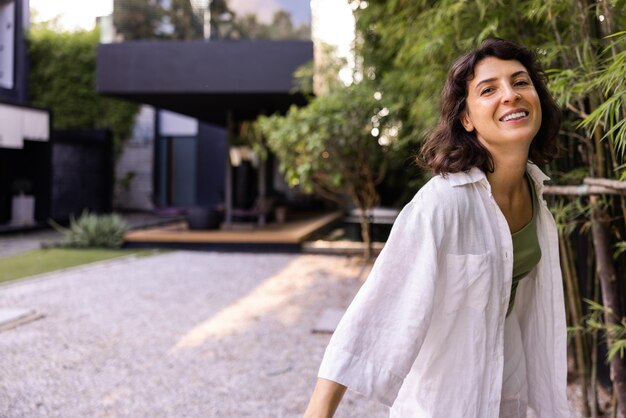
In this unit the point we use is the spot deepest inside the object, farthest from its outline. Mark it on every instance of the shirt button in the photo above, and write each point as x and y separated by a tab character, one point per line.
506	254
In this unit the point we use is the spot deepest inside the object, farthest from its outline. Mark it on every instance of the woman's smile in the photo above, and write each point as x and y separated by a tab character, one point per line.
515	115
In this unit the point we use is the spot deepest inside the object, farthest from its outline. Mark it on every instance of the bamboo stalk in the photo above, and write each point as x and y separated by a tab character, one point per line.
579	306
594	346
600	230
574	308
613	184
594	375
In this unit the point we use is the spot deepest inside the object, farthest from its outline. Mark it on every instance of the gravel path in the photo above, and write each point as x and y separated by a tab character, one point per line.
182	334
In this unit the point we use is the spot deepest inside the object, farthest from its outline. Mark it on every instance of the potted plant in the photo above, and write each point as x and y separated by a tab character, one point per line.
23	203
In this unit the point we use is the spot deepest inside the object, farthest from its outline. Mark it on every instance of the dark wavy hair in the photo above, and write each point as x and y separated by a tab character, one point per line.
449	148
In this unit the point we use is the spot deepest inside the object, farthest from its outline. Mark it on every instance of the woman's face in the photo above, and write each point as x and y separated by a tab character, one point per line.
502	106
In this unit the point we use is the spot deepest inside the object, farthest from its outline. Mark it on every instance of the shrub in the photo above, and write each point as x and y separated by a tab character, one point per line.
92	230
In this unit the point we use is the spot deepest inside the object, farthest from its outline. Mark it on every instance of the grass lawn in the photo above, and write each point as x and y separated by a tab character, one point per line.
46	260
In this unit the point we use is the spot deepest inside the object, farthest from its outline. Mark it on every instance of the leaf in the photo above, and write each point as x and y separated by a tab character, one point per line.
618	347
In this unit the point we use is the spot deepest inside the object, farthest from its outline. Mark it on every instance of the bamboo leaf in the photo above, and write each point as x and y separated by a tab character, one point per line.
617	348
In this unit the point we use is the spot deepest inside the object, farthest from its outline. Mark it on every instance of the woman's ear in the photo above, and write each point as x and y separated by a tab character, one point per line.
467	122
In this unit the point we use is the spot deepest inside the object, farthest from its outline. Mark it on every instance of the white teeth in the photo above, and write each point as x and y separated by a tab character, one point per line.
516	115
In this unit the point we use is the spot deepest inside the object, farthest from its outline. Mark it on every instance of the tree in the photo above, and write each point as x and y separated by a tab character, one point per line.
248	27
150	19
138	19
187	24
336	147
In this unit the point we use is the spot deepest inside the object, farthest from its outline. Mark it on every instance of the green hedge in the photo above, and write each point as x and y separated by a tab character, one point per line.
63	79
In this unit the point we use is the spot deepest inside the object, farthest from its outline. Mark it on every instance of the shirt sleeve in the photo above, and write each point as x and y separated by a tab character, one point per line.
377	340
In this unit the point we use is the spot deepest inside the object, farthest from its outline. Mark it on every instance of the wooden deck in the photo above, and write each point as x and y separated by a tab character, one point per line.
288	236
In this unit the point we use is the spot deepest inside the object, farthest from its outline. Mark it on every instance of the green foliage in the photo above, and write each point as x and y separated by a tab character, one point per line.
615	333
324	73
601	81
303	79
407	48
62	79
323	147
91	230
568	215
609	79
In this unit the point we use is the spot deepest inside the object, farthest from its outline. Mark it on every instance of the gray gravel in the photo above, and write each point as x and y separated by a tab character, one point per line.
182	334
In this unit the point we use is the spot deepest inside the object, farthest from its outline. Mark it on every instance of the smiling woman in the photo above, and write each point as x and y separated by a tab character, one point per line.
463	312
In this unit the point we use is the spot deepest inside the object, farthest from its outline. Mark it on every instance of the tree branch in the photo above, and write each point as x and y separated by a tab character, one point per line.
581	113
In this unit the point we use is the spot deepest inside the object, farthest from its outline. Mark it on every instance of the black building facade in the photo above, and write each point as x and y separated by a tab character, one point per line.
223	81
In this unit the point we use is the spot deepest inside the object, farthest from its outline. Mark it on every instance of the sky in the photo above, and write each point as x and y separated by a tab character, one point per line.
73	14
81	14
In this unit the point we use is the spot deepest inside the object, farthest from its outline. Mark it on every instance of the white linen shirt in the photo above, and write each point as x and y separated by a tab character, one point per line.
424	334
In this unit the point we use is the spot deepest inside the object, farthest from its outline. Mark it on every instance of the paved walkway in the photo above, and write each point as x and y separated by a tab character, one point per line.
27	241
181	334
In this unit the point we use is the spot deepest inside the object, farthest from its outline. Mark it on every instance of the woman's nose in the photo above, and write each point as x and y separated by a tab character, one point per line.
510	94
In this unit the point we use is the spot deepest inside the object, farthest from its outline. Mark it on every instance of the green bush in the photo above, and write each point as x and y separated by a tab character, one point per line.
92	230
62	78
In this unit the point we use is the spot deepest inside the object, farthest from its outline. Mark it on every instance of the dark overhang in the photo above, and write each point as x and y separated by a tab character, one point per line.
204	79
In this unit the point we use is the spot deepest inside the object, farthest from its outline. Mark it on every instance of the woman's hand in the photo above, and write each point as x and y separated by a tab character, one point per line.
325	399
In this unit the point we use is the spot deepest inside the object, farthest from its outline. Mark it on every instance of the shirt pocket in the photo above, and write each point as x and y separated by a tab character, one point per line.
468	282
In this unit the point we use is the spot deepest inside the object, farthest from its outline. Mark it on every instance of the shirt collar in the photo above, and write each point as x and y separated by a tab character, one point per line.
537	176
476	175
473	175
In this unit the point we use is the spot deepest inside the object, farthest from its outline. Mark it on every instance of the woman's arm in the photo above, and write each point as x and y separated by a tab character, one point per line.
325	399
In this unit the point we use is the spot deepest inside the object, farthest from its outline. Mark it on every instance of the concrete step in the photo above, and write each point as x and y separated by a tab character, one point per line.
11	318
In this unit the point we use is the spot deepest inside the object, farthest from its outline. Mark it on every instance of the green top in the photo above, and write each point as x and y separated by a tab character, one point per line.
526	250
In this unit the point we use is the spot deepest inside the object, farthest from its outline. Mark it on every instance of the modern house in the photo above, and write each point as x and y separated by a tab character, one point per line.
204	92
25	156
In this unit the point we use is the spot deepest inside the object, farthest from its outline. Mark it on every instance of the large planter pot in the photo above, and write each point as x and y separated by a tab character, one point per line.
202	218
23	210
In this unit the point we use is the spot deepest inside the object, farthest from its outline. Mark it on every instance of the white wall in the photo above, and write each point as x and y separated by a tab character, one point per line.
175	124
18	123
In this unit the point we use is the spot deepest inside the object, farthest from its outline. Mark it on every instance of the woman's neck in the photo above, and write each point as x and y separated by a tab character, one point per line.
508	183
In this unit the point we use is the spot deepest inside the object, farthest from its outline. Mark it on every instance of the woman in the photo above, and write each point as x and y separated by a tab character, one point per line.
463	312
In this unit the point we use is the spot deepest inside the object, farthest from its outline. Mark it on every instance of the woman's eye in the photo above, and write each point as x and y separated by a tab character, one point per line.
522	83
486	91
